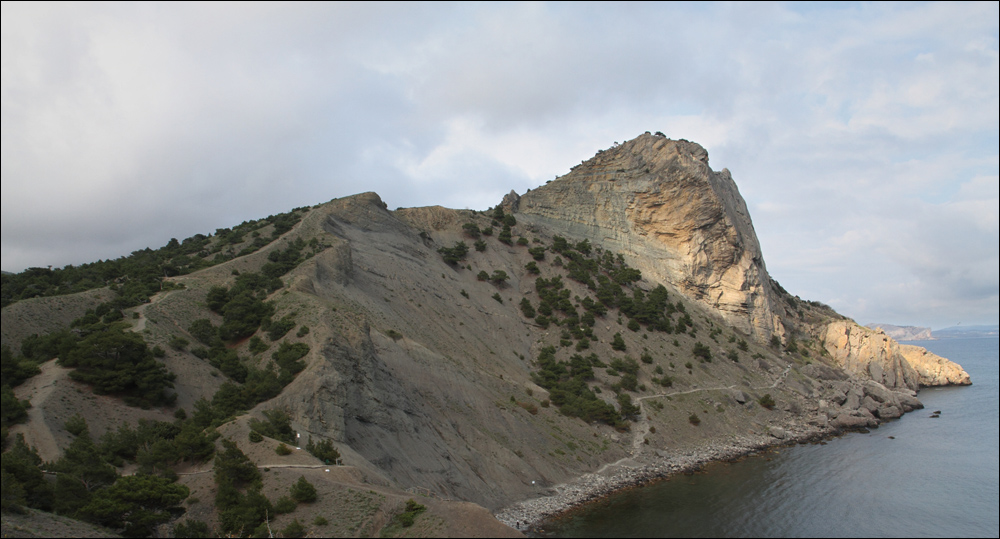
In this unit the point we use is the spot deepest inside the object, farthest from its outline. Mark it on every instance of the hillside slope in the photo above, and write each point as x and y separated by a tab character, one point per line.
427	370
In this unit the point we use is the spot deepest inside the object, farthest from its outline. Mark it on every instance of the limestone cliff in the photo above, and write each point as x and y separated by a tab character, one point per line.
657	201
872	354
933	369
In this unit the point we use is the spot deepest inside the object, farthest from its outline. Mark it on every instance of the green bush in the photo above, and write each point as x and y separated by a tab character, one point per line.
497	297
283	450
256	436
118	362
284	505
617	343
277	425
527	309
452	255
281	327
192	528
694	419
257	345
75	425
702	351
471	230
767	401
294	529
303	491
178	343
324	451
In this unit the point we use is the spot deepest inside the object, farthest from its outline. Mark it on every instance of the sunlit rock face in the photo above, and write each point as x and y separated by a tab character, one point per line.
658	202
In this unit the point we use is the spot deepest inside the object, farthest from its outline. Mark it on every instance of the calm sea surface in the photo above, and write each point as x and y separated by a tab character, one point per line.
936	477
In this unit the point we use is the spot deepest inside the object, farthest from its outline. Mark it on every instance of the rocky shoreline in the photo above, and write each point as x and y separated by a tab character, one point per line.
529	515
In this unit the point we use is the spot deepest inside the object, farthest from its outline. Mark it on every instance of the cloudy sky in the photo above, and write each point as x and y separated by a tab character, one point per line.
864	137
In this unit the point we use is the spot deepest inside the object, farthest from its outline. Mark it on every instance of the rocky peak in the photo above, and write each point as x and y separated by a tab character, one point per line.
658	202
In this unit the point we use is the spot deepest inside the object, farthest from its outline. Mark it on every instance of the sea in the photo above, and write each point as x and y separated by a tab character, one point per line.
918	476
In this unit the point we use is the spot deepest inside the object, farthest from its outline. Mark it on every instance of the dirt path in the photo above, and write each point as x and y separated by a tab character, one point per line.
642	426
37	390
141	310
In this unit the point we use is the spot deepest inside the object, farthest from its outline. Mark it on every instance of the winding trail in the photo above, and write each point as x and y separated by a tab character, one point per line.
642	426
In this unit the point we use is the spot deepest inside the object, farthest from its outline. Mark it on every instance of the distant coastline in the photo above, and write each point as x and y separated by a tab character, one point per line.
916	333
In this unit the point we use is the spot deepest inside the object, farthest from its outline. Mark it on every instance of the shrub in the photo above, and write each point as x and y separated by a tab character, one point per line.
529	407
732	355
177	342
498	277
324	451
278	329
256	436
303	491
277	426
694	419
483	276
295	529
617	343
480	245
471	230
646	358
452	255
257	345
192	528
282	450
767	401
497	297
505	236
702	351
75	425
526	308
320	521
284	505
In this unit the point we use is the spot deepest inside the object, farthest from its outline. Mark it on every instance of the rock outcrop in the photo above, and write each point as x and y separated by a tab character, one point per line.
872	354
869	354
658	202
933	369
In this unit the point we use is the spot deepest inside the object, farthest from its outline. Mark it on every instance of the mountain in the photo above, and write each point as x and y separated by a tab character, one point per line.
904	333
615	324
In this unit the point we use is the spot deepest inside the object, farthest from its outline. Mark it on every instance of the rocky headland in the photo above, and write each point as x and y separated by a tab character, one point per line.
609	328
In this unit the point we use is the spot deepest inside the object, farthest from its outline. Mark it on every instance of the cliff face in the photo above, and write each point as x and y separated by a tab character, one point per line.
872	354
933	369
658	202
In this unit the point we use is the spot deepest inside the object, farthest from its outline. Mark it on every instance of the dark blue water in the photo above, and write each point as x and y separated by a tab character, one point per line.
935	477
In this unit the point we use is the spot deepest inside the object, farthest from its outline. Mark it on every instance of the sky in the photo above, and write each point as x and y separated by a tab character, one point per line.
864	137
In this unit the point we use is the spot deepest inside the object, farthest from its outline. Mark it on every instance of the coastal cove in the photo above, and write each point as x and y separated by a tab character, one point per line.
919	476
